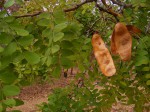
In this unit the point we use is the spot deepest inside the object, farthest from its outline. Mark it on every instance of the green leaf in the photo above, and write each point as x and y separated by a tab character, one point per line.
123	84
9	3
43	22
66	44
87	40
45	15
17	57
18	102
5	61
22	32
47	33
148	82
47	53
10	49
141	60
26	41
58	36
142	52
1	49
146	69
70	36
3	14
55	48
7	76
49	61
19	2
32	57
5	38
10	102
9	19
67	52
66	63
60	27
55	59
59	16
11	90
147	76
56	72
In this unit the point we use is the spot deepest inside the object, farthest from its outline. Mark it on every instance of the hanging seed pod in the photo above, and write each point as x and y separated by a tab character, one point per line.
133	30
103	56
121	42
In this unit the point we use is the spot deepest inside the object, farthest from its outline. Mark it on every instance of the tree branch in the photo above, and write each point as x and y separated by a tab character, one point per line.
78	5
65	10
118	2
107	11
29	15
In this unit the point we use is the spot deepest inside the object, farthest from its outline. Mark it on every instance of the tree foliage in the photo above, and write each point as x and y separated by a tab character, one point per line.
40	38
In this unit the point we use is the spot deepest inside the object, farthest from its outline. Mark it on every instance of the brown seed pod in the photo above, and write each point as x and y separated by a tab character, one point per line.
121	42
133	30
103	56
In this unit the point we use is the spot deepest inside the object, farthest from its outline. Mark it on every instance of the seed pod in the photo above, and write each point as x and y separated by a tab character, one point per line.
121	42
103	56
133	30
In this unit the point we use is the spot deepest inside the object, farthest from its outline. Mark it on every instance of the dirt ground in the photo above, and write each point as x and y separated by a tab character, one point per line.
36	94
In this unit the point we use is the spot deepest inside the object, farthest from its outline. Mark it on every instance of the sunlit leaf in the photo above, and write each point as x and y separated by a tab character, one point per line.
9	3
58	36
55	48
59	16
10	102
32	57
47	33
49	61
142	60
45	15
11	48
11	90
44	22
60	27
27	40
22	32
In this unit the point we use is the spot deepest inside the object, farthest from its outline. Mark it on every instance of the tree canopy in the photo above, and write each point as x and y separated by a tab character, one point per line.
44	38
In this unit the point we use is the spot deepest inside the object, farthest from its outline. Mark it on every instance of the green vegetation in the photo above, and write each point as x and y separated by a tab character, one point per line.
40	38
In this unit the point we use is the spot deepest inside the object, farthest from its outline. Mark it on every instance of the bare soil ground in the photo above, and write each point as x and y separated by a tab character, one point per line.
36	94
